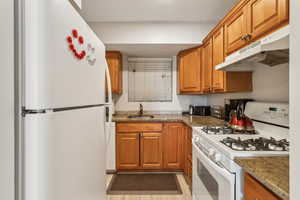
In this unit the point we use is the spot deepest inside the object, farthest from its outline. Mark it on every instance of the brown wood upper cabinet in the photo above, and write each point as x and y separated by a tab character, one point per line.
256	191
189	75
265	15
211	80
114	61
236	29
218	82
206	67
252	19
215	81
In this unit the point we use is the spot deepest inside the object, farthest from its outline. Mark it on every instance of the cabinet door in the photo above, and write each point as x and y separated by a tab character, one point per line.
255	191
236	28
114	61
218	57
267	14
151	150
207	66
189	71
187	148
128	148
173	146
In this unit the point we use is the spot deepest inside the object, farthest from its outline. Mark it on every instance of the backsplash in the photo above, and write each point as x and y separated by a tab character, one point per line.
269	84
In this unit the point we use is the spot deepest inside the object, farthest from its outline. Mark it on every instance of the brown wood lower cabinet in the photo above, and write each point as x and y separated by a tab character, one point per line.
256	191
173	146
151	146
151	150
128	150
188	155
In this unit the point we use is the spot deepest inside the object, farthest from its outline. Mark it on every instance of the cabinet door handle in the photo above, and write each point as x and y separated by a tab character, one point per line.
248	37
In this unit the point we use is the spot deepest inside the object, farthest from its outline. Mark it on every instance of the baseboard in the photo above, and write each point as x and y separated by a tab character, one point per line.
111	171
149	172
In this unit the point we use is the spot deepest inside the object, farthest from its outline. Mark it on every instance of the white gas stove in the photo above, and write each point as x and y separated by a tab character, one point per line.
216	176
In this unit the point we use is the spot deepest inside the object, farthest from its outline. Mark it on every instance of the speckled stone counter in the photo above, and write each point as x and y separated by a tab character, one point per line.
188	120
272	172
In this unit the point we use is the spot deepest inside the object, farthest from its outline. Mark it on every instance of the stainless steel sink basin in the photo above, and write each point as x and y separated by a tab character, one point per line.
141	116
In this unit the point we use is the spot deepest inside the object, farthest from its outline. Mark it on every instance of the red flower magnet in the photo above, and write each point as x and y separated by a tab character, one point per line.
80	39
70	39
71	46
75	33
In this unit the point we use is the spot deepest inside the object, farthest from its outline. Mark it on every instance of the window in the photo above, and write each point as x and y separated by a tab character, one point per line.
150	80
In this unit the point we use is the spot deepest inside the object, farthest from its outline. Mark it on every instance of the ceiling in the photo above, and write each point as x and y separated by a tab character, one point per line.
155	10
149	50
144	11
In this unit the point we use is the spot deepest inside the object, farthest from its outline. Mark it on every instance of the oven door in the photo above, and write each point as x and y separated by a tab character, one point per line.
211	181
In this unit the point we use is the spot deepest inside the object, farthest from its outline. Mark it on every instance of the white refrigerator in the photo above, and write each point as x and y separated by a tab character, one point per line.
64	102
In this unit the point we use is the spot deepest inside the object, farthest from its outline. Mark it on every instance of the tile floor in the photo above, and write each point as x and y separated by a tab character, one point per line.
186	194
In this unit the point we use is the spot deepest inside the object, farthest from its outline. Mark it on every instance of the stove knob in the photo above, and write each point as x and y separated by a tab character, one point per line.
218	157
211	152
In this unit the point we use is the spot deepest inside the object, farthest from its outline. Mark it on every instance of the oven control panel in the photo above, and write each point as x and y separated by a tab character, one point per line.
273	113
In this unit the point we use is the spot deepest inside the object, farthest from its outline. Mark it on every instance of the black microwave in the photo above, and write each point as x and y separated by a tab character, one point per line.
199	110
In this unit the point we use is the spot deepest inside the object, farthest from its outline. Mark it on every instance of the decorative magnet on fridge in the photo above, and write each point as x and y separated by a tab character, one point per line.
91	58
75	44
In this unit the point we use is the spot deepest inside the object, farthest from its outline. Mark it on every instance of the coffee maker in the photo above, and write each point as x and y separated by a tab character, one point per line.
232	104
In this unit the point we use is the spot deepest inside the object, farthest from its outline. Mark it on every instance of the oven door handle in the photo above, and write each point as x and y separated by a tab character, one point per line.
221	170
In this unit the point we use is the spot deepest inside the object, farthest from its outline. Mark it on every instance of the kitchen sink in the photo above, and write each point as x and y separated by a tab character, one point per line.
141	116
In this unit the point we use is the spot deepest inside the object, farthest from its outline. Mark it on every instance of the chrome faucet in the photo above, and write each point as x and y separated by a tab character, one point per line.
141	112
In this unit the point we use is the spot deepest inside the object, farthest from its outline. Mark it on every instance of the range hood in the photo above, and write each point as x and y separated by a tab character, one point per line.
271	51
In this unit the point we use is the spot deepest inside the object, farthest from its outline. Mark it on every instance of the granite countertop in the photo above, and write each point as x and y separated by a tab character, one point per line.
272	172
187	119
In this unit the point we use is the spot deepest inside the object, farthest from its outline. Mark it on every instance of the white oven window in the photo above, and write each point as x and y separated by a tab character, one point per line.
208	181
211	181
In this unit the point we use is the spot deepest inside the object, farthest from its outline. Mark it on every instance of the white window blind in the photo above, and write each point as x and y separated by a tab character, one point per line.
150	80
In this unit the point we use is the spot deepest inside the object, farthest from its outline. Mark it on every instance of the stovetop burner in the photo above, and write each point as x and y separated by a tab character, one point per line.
225	130
256	144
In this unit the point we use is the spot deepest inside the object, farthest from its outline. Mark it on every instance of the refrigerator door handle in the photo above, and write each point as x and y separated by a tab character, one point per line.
108	82
109	105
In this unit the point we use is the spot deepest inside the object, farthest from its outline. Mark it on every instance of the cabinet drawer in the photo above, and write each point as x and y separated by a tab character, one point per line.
139	127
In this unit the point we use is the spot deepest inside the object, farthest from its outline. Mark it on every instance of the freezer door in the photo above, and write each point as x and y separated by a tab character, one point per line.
54	77
65	155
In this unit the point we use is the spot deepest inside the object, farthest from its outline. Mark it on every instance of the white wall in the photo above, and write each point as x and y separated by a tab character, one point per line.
295	100
6	101
269	84
147	32
179	103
